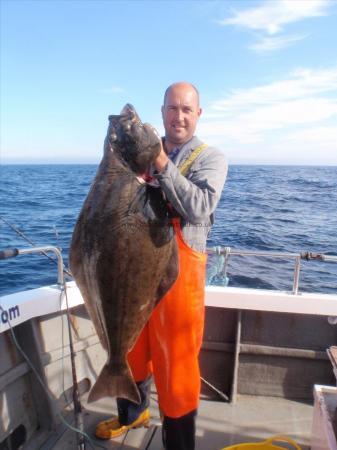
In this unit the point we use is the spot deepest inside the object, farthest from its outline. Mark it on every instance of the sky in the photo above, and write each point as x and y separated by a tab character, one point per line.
266	71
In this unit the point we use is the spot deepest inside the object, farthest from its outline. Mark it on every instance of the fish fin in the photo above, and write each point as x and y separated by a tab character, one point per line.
109	385
76	260
171	274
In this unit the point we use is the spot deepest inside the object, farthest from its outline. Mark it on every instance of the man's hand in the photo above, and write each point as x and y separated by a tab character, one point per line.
161	161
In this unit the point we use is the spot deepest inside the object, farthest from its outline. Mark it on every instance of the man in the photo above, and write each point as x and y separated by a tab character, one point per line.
191	175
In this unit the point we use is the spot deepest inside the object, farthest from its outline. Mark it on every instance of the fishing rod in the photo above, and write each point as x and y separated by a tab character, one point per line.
78	411
18	232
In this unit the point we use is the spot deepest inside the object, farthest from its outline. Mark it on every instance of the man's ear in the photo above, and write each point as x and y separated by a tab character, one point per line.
162	111
199	112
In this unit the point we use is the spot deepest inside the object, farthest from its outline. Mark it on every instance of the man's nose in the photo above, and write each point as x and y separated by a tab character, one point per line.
179	114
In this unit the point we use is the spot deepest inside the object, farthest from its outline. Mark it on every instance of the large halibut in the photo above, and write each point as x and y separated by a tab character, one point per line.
123	253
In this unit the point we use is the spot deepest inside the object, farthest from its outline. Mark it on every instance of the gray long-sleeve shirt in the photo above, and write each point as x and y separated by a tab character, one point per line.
195	195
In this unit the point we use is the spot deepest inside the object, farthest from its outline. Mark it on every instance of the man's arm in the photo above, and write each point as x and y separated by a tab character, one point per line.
195	197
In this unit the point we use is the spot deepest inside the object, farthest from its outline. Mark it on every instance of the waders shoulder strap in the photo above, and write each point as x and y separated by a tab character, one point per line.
184	168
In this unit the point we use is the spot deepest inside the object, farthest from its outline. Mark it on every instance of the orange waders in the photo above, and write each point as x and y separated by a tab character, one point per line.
169	346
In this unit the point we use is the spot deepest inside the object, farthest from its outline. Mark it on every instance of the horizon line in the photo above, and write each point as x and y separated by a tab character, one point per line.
52	163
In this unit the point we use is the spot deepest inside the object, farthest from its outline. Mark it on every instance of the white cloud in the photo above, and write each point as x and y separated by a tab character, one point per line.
272	16
291	116
276	43
301	83
251	126
310	145
323	135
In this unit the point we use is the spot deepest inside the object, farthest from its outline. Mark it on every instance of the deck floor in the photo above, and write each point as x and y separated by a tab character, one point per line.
219	424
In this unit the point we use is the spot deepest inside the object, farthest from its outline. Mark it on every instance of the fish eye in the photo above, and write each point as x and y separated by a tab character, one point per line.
113	137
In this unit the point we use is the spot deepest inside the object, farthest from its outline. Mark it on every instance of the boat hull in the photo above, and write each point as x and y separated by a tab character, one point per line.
255	343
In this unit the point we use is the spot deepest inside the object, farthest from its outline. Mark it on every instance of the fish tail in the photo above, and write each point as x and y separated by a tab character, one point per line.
109	385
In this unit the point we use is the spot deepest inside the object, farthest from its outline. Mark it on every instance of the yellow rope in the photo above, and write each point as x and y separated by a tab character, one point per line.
189	161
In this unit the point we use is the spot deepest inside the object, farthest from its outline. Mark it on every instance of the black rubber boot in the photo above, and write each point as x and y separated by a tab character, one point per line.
128	411
179	434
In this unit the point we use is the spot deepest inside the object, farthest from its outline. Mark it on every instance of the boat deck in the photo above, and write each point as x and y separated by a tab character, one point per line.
219	424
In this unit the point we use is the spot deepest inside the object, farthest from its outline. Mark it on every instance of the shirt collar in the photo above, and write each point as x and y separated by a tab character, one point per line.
183	151
173	154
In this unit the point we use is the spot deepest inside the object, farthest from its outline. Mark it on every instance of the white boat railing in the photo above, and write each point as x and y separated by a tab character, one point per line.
13	252
226	252
21	306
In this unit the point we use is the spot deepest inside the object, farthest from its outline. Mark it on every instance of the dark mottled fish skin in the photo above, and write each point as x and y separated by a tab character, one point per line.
123	253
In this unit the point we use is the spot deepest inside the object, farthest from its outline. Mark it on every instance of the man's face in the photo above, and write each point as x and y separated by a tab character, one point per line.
180	114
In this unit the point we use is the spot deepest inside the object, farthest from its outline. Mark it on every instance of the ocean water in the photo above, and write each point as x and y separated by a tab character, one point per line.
262	208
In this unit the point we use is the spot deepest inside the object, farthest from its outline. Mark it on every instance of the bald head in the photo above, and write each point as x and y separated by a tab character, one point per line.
180	113
183	85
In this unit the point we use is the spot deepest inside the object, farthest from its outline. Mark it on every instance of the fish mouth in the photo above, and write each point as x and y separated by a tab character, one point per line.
129	113
135	142
128	108
121	124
